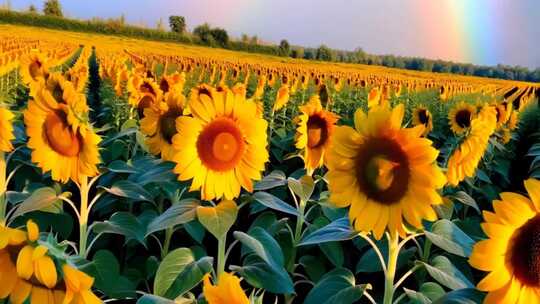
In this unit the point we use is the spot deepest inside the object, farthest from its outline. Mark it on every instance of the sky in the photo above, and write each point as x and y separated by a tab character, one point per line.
484	32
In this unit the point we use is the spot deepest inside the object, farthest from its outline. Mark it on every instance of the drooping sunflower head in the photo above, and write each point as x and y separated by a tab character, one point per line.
503	113
374	97
385	173
222	147
511	254
143	92
422	116
282	98
461	116
172	82
227	290
159	124
34	68
314	132
60	136
6	130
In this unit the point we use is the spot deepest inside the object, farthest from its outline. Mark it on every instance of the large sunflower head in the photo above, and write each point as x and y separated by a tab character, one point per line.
222	147
511	254
6	130
314	132
34	68
422	116
60	136
384	172
159	124
461	116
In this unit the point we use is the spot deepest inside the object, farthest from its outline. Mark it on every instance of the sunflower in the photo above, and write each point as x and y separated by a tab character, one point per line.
143	92
461	116
6	130
422	116
34	69
261	84
314	132
227	291
513	120
222	147
60	136
511	254
374	97
384	172
464	160
503	113
282	97
78	286
159	124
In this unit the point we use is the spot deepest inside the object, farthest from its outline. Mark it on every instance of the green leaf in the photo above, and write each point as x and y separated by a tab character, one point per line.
338	230
369	262
432	290
129	189
466	199
123	223
41	198
274	202
445	210
275	179
334	252
444	272
302	187
313	266
172	265
462	296
177	214
106	271
337	286
260	275
446	235
153	299
416	297
219	219
263	245
192	274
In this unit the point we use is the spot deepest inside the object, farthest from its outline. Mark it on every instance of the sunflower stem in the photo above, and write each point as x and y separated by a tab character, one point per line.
221	256
166	244
393	253
84	212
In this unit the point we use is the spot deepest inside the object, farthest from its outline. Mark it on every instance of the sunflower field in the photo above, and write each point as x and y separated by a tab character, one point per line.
142	172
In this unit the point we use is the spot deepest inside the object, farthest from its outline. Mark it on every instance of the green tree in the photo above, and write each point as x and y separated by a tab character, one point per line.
324	53
284	48
220	36
32	9
297	52
52	8
177	24
203	32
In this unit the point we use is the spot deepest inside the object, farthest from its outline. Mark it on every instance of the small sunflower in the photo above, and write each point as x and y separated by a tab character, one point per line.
60	136
222	147
159	124
464	160
6	130
374	97
282	98
314	132
511	254
227	291
143	92
384	172
34	69
461	116
422	116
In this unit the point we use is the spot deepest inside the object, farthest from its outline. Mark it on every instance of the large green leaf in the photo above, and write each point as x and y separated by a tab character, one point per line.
446	235
260	275
192	274
276	178
263	245
219	219
337	286
41	198
106	271
177	214
302	187
273	202
129	189
462	296
444	272
172	265
338	230
123	223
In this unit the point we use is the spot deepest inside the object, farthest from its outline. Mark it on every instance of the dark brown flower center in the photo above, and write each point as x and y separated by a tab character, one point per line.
463	118
221	145
167	124
35	69
58	93
146	87
525	253
423	116
164	85
317	131
60	136
144	103
383	170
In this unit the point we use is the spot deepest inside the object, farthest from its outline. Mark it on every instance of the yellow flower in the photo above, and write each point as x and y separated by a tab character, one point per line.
33	231
374	97
143	92
513	120
159	124
422	116
511	254
384	172
461	116
60	136
34	68
222	147
6	130
78	286
314	132
259	91
227	291
282	97
464	160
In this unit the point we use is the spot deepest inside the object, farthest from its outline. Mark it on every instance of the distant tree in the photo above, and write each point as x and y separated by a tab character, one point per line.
177	24
244	38
52	8
284	48
203	32
254	40
325	53
309	54
220	36
32	9
297	52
